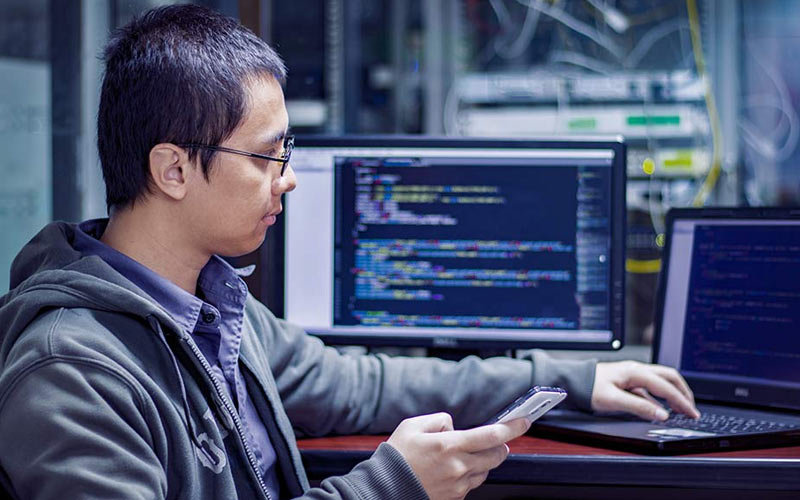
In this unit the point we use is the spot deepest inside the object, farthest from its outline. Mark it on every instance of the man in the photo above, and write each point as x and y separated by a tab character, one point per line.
133	362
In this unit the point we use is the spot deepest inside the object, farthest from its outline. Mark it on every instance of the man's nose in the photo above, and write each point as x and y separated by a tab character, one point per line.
288	181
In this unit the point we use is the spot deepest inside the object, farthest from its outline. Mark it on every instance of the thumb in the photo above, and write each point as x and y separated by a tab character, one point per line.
435	422
641	407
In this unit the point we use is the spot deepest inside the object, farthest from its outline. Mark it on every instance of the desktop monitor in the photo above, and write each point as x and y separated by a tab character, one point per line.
459	243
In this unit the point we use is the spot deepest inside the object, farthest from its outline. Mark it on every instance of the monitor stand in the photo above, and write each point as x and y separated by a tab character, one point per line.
453	354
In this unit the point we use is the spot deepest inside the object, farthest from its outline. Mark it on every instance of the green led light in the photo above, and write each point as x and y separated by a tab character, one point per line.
643	120
582	124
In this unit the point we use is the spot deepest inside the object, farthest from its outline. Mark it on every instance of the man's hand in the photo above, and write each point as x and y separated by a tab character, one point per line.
630	386
450	463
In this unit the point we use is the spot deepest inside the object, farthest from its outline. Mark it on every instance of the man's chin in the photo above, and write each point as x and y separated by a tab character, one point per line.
245	248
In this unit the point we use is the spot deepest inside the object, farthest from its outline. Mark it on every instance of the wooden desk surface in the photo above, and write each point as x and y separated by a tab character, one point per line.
535	460
529	445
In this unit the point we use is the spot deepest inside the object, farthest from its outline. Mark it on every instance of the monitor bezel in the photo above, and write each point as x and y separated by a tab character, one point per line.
750	394
618	229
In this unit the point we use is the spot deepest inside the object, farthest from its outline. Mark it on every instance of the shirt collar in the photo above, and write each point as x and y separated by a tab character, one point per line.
217	280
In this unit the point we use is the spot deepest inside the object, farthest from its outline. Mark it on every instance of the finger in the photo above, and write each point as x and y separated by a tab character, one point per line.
469	483
678	381
639	406
489	436
435	422
476	480
659	387
641	392
675	379
485	460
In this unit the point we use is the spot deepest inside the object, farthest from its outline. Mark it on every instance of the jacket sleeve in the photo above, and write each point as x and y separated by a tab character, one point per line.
384	475
325	392
74	429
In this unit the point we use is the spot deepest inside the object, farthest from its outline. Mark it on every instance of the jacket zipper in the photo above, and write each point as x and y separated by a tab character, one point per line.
271	408
235	417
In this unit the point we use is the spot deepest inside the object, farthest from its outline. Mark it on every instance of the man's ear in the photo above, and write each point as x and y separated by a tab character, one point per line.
170	170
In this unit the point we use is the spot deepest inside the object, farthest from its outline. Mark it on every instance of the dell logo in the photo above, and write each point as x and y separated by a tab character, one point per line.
444	342
742	392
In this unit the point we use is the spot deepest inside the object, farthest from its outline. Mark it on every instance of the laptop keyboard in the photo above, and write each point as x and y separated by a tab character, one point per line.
725	424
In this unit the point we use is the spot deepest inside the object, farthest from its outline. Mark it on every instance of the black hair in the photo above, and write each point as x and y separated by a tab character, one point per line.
175	74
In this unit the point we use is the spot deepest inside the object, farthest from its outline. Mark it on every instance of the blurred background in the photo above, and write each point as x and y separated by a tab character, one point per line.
703	92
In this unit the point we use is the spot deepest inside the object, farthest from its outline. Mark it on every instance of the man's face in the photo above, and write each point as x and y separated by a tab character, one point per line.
230	214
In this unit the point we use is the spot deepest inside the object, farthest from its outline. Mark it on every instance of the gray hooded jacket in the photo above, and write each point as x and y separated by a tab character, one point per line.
102	395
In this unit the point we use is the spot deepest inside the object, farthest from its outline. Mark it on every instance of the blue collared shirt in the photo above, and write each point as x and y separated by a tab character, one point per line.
215	324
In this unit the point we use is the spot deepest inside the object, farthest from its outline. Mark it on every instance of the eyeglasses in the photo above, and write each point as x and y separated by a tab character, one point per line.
288	146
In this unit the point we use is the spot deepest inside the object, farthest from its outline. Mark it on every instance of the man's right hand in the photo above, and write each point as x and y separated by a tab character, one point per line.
450	463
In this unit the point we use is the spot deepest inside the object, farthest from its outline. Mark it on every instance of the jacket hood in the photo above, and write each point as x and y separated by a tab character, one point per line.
49	273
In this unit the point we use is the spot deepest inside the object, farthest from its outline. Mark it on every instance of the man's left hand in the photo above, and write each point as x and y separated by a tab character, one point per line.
630	386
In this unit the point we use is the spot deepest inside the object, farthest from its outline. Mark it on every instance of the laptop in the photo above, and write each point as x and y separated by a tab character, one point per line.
728	319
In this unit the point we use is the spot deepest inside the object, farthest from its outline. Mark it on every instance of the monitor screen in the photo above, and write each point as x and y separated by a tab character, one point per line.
457	242
727	279
729	304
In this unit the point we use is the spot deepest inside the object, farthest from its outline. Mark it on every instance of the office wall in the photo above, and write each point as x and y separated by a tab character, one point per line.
25	155
25	126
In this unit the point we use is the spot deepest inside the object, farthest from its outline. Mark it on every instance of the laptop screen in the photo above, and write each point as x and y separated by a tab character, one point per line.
730	307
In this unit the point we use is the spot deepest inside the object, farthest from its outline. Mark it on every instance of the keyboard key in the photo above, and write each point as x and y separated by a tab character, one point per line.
723	424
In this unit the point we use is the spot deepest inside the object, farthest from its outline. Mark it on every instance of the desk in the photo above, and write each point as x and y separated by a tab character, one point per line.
544	468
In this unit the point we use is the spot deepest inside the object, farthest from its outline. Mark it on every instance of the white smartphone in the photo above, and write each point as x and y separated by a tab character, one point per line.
531	405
